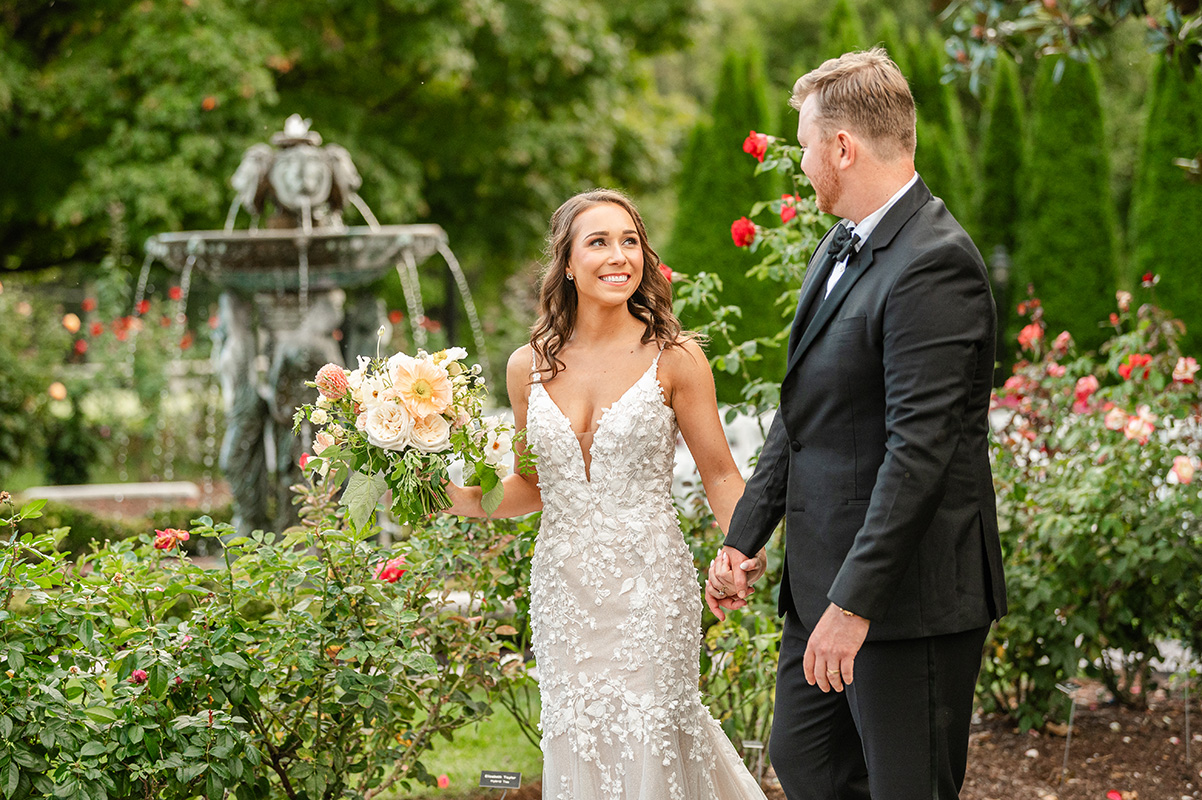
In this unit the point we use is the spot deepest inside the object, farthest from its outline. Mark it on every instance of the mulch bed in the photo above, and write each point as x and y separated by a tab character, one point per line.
1141	755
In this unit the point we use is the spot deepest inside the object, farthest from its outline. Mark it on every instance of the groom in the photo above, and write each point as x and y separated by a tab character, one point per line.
878	462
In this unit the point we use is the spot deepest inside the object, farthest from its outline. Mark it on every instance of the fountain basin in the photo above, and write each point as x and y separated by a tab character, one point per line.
265	260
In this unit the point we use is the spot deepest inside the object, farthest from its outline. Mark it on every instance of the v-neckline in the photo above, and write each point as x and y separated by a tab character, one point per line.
586	464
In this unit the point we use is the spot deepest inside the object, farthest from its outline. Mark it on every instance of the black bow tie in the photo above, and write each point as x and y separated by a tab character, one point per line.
843	242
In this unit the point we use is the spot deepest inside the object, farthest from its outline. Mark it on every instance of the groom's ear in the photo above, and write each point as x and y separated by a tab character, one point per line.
846	147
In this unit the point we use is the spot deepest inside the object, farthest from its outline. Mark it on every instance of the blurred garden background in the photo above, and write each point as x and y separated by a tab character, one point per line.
1064	134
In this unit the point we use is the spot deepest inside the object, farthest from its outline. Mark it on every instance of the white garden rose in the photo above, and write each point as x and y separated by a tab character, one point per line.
388	425
431	434
319	416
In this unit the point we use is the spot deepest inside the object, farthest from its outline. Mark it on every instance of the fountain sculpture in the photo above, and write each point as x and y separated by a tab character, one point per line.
284	295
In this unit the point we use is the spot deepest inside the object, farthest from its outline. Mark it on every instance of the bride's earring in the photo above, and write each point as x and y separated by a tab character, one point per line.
569	276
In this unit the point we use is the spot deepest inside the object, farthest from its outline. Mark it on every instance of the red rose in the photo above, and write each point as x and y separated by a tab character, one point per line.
756	144
666	271
96	329
788	207
391	570
1133	363
143	306
138	677
1149	280
81	346
395	317
186	341
175	292
742	230
88	304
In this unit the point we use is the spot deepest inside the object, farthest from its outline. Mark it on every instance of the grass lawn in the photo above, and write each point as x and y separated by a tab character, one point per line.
495	744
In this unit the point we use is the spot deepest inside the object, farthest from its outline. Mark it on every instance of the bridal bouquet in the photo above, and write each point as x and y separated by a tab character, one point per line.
397	423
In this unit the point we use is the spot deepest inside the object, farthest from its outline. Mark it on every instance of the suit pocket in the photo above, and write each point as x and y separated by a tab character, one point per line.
848	326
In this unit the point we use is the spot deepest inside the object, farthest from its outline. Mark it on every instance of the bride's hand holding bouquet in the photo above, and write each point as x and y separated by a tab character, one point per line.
397	423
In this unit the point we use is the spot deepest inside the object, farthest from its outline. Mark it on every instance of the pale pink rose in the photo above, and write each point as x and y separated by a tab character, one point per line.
1062	342
424	387
361	422
1183	468
1116	419
323	440
1184	371
388	425
1056	370
1139	426
1085	387
1124	299
431	434
331	382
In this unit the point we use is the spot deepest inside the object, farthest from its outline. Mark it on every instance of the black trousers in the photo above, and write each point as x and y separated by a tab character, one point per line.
899	732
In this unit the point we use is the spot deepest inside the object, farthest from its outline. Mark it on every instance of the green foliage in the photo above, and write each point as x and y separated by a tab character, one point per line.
22	392
842	31
1102	539
1067	243
889	36
481	118
715	191
299	668
1166	225
999	196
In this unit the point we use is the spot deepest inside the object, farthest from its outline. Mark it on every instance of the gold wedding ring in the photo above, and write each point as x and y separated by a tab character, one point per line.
833	672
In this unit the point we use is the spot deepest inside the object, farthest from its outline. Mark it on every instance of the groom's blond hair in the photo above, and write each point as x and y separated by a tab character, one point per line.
866	93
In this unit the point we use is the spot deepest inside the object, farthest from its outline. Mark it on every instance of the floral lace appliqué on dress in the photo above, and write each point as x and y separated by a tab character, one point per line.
616	614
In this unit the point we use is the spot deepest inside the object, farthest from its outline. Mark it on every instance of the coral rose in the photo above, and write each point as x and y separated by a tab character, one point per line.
169	538
423	387
331	382
1029	335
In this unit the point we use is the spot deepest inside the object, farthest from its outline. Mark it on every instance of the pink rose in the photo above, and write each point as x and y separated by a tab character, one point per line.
1124	300
331	382
742	230
443	781
1056	370
323	440
756	144
1183	468
391	570
138	677
1140	426
1062	342
1085	387
1184	371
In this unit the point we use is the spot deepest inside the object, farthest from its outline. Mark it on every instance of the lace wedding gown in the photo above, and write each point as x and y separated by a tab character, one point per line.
616	614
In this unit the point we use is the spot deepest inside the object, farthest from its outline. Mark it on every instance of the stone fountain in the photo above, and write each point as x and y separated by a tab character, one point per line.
284	300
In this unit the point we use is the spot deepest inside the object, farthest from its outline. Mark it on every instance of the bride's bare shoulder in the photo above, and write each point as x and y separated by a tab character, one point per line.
684	364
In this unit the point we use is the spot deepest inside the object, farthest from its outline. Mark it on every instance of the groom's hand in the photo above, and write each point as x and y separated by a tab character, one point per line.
831	652
730	577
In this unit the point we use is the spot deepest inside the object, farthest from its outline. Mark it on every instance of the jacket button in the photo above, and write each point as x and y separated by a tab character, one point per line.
796	445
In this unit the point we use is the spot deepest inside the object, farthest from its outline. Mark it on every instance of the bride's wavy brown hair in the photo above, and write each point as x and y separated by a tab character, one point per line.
651	302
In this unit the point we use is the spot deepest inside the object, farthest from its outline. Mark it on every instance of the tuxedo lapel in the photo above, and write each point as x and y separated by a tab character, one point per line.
810	293
858	264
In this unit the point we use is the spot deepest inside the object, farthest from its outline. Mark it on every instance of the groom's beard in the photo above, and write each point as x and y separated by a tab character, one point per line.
828	187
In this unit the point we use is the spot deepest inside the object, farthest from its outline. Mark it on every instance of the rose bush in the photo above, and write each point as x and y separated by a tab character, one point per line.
308	664
1093	464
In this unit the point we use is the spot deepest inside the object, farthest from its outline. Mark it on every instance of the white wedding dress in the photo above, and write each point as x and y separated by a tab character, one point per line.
616	614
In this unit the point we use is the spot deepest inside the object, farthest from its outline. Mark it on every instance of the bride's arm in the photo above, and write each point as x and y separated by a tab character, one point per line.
692	396
521	489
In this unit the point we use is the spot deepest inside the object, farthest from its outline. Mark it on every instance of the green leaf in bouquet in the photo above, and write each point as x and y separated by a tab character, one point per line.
491	500
361	495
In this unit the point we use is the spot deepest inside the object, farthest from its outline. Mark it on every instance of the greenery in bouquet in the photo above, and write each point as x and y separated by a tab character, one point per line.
1094	465
397	423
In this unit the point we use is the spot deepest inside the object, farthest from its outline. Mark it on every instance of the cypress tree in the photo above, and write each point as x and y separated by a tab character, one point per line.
716	186
1001	161
1166	227
934	163
1067	241
842	31
889	36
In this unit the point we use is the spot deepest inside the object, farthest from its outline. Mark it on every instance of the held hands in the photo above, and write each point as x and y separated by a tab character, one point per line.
730	577
831	651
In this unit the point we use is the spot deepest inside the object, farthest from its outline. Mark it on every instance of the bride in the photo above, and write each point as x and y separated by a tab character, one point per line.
605	383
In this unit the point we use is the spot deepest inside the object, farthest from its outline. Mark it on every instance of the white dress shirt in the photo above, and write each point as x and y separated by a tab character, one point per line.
864	230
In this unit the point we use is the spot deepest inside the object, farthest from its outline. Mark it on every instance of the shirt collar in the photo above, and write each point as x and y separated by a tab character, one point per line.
866	226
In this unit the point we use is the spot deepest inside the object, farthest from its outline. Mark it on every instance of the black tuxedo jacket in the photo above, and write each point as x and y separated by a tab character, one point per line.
878	456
